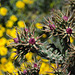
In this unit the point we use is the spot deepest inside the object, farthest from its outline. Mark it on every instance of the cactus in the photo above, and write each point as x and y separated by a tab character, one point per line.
59	25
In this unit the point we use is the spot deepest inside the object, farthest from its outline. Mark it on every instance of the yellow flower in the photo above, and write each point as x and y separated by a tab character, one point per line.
21	24
39	25
15	72
38	57
8	31
45	60
20	4
13	18
54	66
1	33
12	56
44	36
29	1
23	66
3	60
3	51
2	41
9	41
13	49
10	67
9	23
71	40
29	56
2	28
45	67
3	67
13	33
1	73
3	11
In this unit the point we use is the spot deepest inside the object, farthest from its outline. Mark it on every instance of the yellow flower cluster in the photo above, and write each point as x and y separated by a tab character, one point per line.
3	49
2	30
13	55
9	41
11	21
29	57
3	11
13	18
21	24
3	60
45	67
1	33
20	4
11	32
7	66
1	72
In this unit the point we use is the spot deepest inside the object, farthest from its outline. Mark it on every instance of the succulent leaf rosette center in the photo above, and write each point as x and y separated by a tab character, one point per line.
69	30
31	41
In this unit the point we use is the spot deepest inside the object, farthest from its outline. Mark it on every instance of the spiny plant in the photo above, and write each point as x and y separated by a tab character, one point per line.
26	41
59	25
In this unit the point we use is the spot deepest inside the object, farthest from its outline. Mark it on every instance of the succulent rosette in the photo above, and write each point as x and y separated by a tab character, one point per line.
67	32
64	23
26	41
31	68
60	24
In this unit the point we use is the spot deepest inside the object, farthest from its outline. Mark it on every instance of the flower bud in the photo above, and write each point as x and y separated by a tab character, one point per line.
69	30
32	41
35	65
16	40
